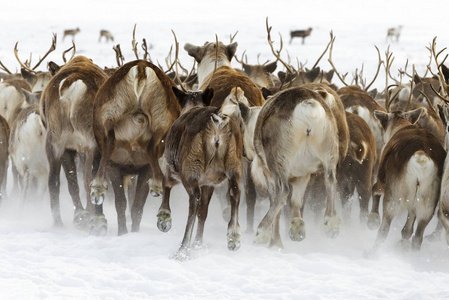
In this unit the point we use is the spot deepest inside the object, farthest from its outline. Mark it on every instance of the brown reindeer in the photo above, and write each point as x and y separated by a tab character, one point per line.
66	110
359	102
70	32
356	169
262	75
300	33
107	35
296	135
443	208
409	177
4	155
214	71
133	112
223	78
203	148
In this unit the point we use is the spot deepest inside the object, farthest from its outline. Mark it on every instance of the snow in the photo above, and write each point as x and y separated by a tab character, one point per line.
39	261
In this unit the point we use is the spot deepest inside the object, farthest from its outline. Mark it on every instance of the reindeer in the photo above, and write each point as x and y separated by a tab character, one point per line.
4	153
356	169
107	35
443	208
300	33
394	32
27	149
262	75
409	176
296	135
66	110
203	148
71	32
359	102
214	71
133	112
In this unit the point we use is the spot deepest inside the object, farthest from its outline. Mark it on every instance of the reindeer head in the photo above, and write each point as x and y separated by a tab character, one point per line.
188	99
394	121
261	74
209	50
209	56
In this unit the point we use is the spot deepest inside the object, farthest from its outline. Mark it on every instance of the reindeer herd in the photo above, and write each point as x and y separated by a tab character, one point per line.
295	139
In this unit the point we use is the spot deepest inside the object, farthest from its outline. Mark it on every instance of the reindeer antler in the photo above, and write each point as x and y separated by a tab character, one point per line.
73	54
118	55
342	78
4	68
176	53
52	48
277	53
389	61
433	51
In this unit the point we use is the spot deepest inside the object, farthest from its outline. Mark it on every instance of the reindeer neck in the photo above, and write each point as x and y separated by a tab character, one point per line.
396	125
207	66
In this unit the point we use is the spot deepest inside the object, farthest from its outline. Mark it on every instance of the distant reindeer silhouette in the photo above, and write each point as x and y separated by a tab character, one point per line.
71	32
107	35
300	33
394	32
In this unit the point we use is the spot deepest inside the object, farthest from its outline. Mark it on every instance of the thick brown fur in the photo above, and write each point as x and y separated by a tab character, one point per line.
203	148
356	170
225	79
67	112
409	177
133	110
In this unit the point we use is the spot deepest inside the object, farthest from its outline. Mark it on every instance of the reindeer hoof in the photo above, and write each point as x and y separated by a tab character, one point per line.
433	237
97	191
297	230
227	214
155	187
182	254
234	240
262	237
373	221
164	220
332	226
154	194
98	226
81	219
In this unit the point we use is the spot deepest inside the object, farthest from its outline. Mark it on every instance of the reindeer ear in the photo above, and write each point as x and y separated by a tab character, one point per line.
180	95
207	96
231	49
53	68
282	75
313	74
445	71
330	75
246	68
417	79
382	117
441	114
196	52
266	93
413	115
28	76
372	93
270	68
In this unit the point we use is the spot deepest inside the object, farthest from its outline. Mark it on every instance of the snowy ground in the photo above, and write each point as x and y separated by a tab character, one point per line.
40	262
